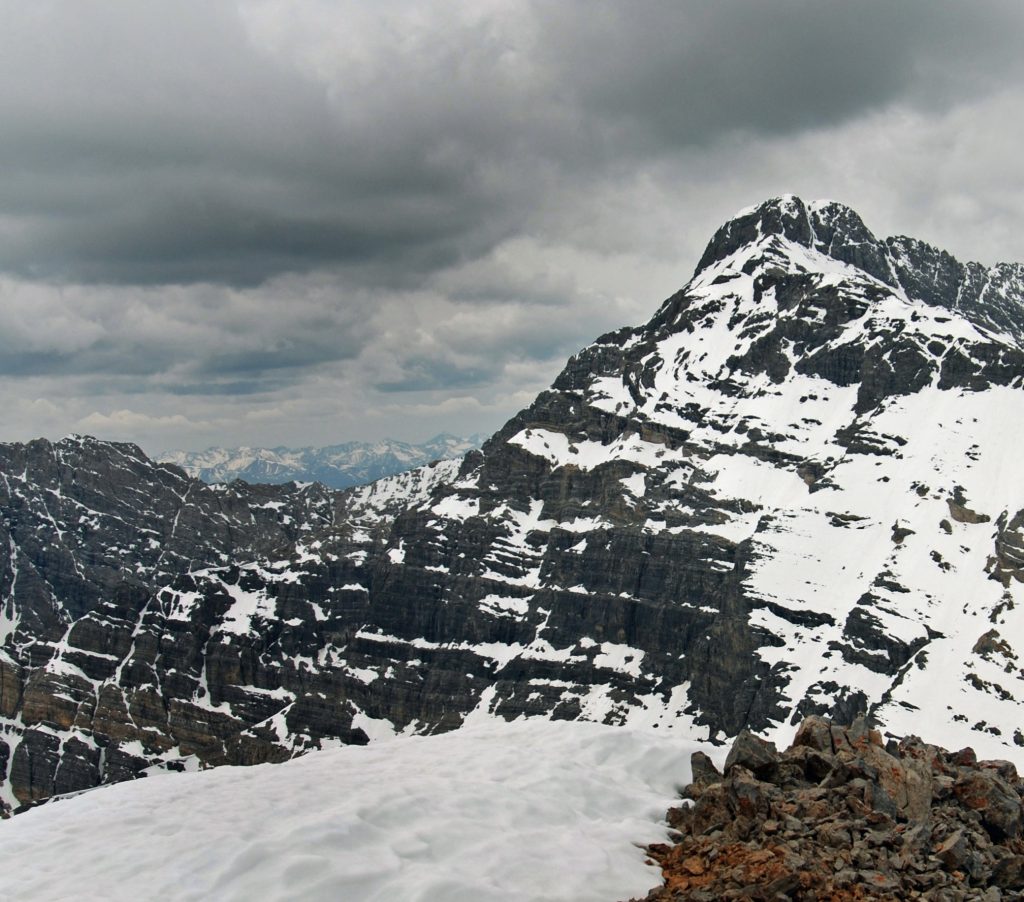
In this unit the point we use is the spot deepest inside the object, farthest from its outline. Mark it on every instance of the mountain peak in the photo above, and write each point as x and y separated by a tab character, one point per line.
989	297
822	225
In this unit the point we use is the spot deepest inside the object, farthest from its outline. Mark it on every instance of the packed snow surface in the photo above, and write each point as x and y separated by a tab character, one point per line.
529	810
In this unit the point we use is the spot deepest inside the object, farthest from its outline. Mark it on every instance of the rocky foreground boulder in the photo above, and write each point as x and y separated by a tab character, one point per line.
840	816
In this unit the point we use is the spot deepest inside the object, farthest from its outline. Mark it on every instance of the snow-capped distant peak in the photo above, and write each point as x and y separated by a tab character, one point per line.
336	466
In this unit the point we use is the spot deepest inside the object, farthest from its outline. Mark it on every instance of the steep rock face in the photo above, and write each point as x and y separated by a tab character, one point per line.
790	493
89	530
120	648
83	517
744	499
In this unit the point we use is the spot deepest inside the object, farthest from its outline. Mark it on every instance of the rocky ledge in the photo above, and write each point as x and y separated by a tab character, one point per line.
839	816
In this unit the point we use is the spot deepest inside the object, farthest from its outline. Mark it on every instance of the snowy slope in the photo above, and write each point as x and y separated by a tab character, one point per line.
336	466
517	812
873	527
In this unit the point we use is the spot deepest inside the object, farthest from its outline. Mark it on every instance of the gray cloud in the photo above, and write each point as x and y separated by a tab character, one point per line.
277	221
146	144
686	73
199	338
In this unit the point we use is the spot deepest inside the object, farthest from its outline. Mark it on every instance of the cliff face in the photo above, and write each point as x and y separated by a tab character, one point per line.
790	493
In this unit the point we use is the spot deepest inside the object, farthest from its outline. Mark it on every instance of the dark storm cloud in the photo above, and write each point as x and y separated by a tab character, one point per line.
180	339
146	142
430	374
685	73
302	221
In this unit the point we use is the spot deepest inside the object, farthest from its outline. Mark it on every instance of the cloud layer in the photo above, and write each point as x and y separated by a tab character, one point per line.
282	222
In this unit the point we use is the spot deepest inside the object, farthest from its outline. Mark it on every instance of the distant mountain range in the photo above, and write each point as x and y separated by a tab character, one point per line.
336	466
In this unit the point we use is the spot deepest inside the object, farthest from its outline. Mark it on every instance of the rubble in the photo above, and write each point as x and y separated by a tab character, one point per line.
840	816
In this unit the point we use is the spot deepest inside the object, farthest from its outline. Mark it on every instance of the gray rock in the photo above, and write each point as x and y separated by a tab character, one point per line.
816	733
757	755
998	804
703	769
953	851
1009	873
778	830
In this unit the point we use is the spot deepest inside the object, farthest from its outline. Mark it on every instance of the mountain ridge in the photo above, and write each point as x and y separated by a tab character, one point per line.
923	271
338	466
788	493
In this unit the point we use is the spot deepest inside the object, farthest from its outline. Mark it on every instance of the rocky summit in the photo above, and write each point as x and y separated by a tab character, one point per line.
792	492
837	816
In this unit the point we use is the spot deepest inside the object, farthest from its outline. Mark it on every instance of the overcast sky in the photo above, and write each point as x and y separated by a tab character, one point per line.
310	221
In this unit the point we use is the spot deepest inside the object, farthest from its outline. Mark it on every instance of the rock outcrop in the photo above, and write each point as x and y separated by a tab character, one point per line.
838	816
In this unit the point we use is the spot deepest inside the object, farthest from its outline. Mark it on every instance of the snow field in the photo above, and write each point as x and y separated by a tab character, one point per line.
530	810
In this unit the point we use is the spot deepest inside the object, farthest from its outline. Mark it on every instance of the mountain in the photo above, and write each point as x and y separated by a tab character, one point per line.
336	466
791	492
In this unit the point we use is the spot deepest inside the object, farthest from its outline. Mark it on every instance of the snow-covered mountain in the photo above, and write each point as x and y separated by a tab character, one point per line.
792	491
336	466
